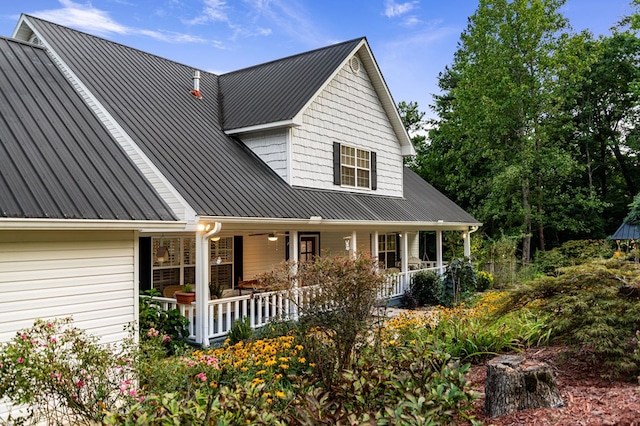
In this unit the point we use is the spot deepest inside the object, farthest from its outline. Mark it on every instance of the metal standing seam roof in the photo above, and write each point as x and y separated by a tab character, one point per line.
57	161
217	174
278	90
626	232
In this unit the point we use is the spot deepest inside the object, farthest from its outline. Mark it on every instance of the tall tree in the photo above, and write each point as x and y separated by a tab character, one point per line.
494	138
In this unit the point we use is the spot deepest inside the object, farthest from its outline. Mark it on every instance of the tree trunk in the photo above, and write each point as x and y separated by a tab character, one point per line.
514	384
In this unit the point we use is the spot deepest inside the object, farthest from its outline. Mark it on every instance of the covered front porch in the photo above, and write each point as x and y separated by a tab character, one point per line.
222	262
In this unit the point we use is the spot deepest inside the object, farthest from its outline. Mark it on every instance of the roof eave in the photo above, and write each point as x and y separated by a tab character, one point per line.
294	122
87	224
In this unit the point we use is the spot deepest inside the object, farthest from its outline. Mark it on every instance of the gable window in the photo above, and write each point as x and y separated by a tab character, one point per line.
355	167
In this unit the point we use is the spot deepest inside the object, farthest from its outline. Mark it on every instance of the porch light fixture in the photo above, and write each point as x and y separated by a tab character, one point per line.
204	227
215	239
272	237
347	243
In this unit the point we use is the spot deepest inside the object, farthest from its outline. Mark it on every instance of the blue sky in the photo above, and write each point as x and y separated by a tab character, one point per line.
412	40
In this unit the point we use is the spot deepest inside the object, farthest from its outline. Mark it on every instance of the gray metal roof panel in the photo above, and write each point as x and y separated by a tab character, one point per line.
216	174
277	90
626	232
58	161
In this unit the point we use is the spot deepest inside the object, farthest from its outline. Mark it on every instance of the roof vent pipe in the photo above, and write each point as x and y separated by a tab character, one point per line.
196	85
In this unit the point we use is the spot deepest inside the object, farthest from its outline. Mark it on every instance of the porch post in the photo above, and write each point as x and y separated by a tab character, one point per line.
203	234
405	261
439	251
294	258
354	244
202	290
374	245
405	252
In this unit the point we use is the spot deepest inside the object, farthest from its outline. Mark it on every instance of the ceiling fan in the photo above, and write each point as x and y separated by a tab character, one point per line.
271	236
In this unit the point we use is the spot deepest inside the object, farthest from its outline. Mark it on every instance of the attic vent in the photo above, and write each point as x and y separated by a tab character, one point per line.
35	40
354	63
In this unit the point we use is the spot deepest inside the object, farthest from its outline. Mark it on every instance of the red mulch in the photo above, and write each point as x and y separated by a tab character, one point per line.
589	398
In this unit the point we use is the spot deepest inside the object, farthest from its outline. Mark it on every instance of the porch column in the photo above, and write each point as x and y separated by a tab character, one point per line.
439	251
202	281
354	244
467	243
374	245
405	252
294	258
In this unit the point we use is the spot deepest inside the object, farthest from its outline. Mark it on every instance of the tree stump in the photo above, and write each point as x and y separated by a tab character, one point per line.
514	384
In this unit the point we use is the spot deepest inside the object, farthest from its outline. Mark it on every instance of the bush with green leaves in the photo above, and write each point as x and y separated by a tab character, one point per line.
426	288
571	253
154	320
594	306
63	374
240	330
485	281
460	281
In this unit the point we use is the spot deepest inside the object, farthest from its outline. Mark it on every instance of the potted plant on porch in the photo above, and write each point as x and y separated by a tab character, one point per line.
186	295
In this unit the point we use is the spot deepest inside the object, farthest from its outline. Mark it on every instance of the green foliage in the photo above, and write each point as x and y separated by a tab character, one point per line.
426	289
571	253
594	306
240	330
335	318
154	320
460	281
63	374
485	281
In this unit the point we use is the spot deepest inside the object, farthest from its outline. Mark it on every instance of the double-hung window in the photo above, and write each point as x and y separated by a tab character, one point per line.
355	167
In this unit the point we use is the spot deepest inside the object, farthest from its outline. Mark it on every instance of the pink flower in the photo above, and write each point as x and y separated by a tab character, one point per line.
202	377
23	336
132	392
49	324
57	375
54	340
20	360
152	332
166	338
80	383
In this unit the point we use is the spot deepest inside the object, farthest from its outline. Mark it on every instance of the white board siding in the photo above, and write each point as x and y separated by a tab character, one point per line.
90	276
348	111
261	255
271	147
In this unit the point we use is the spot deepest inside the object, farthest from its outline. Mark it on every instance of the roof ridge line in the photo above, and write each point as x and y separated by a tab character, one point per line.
358	39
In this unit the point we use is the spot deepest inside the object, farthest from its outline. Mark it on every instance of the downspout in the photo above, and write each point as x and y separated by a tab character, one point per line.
467	240
203	234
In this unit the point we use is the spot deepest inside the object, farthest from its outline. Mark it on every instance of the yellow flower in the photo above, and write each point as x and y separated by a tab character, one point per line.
312	364
277	376
280	394
261	372
284	366
244	369
257	381
299	347
302	360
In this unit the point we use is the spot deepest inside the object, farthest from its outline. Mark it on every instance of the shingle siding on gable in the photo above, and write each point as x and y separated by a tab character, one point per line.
348	111
271	147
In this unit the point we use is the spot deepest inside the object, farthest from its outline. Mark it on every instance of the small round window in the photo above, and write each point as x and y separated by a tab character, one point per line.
354	63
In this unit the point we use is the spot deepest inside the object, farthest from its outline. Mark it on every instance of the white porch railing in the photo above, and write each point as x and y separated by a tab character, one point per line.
261	308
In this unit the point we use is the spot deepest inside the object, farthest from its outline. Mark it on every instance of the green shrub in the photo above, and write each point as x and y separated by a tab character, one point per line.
485	281
593	306
240	330
460	281
427	288
170	324
63	374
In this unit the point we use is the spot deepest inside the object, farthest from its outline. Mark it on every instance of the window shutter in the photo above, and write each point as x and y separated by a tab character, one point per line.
238	267
374	171
337	180
144	263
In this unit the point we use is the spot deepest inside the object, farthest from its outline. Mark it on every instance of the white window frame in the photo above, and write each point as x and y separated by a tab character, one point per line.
358	164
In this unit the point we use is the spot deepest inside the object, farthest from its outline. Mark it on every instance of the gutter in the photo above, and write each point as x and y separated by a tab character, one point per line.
87	224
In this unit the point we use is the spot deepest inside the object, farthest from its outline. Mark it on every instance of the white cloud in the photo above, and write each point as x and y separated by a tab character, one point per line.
213	11
87	18
393	9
